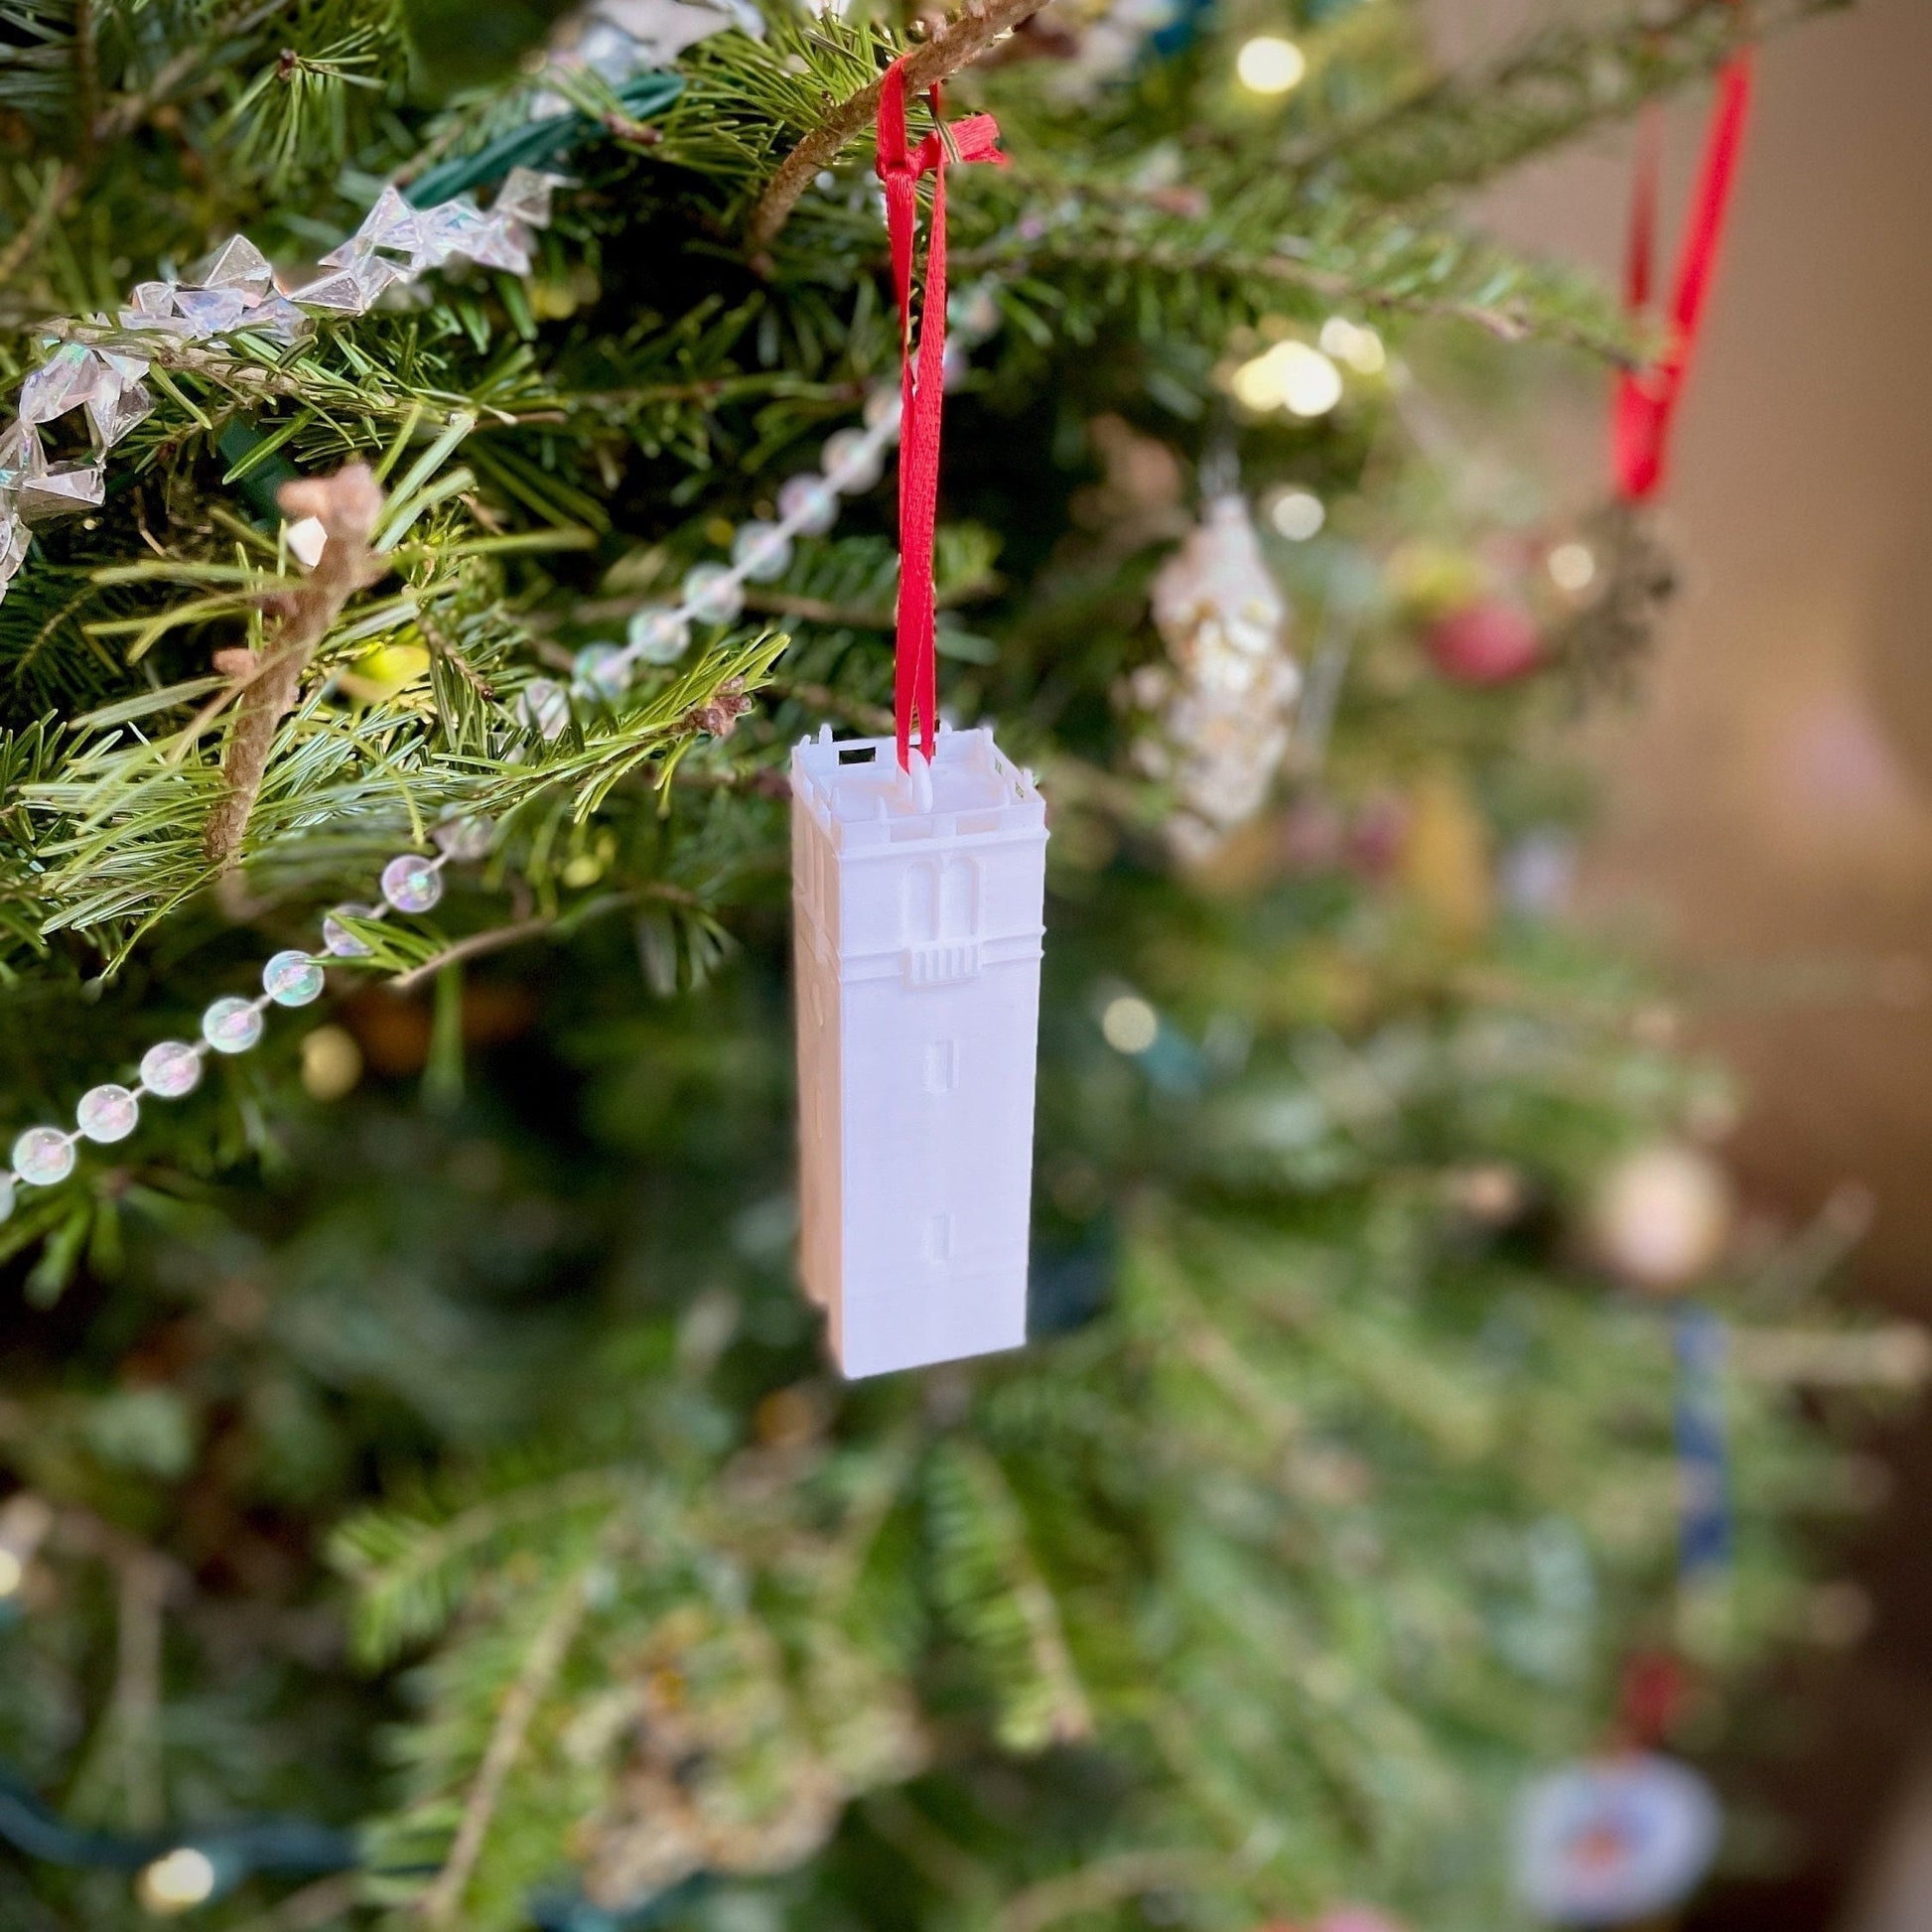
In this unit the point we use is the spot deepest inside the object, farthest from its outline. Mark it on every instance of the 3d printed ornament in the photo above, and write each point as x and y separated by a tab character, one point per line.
919	878
917	908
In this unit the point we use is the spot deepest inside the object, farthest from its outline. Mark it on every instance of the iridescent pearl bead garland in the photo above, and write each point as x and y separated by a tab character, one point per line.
43	1157
851	463
234	291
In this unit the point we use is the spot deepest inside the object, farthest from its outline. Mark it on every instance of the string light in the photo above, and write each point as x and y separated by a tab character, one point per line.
176	1882
1129	1024
1355	344
1290	375
1572	567
1269	64
332	1062
1296	514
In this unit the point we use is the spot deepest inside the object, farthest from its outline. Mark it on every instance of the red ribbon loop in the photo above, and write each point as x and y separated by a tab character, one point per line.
1647	398
923	380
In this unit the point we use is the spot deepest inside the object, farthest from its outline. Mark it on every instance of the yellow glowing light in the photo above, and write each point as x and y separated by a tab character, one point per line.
1129	1024
1571	566
1355	344
13	1572
332	1062
1296	514
1291	377
1269	64
176	1882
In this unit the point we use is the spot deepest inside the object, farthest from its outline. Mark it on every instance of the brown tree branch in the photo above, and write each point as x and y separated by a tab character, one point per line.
347	506
443	1901
961	41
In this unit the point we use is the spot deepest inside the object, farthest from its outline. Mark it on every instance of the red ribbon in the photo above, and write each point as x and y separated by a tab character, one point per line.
923	380
1647	399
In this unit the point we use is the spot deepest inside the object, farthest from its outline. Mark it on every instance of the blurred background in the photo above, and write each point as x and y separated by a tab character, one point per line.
1767	827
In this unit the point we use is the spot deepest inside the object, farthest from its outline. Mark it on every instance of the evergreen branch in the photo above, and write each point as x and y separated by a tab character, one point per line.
349	505
962	40
1510	321
61	189
122	116
1461	129
542	1663
1105	1883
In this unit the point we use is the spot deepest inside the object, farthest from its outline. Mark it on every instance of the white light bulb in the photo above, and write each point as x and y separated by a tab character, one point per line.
1291	377
1311	383
177	1881
1269	64
1129	1024
1296	514
1572	567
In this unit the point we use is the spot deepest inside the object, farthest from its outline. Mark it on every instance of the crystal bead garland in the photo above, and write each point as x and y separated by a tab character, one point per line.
233	292
43	1157
852	462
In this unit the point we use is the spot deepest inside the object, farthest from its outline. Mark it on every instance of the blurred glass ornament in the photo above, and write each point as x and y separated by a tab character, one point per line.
1489	642
1662	1216
1613	1842
1222	705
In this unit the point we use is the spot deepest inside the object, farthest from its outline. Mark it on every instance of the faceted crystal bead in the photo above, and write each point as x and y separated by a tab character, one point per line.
852	461
43	1154
502	244
544	706
237	264
14	539
278	318
601	671
348	291
390	223
761	551
444	232
232	1025
713	592
113	414
70	378
171	1069
463	840
411	883
808	503
21	458
525	197
152	299
292	979
211	312
658	634
107	1114
884	407
61	492
340	940
168	323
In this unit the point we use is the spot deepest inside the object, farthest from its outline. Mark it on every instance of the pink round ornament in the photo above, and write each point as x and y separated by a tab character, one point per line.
1491	642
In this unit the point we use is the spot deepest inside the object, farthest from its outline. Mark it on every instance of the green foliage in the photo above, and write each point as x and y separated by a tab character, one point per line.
463	1399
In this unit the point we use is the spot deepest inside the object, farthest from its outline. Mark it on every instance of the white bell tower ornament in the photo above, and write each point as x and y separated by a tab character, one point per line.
916	902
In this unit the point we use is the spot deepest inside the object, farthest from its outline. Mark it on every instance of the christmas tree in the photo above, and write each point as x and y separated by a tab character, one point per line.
429	1502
